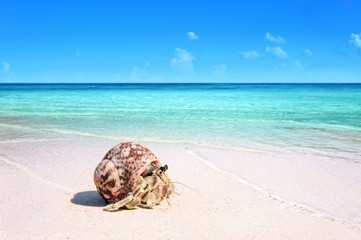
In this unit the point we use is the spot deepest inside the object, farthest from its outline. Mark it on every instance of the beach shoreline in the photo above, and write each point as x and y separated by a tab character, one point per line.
48	193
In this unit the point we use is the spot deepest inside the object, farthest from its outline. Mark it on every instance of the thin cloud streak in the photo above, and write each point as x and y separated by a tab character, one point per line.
274	38
277	51
250	54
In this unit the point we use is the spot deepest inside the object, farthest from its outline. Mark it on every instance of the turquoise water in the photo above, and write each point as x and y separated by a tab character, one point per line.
324	118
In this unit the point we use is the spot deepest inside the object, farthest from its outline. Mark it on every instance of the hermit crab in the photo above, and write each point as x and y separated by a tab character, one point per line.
131	176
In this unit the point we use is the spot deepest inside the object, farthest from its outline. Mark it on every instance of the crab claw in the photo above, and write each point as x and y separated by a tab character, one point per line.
117	205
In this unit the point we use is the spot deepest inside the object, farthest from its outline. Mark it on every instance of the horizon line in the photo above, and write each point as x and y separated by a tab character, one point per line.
78	83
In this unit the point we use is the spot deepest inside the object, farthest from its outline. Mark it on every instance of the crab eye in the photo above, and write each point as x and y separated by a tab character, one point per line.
164	168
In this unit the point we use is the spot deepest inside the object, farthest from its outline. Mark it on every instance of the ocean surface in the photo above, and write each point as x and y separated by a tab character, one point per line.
322	119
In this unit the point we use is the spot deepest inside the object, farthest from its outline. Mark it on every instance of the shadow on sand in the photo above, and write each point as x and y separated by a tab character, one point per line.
88	198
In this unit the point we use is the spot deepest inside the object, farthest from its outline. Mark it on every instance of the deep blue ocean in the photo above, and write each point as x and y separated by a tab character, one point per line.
324	118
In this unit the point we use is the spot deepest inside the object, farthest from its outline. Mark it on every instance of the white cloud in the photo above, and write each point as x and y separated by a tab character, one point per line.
250	54
78	54
192	36
308	52
6	67
222	68
277	51
182	60
274	38
294	64
355	40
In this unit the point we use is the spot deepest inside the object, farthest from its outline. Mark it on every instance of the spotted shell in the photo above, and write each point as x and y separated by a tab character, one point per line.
120	169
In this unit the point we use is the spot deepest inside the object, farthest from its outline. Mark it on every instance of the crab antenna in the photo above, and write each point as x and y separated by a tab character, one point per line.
188	187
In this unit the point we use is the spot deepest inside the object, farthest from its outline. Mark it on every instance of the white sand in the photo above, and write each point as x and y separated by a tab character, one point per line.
47	192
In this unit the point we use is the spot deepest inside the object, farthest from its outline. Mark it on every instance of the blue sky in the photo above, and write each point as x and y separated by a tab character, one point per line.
180	41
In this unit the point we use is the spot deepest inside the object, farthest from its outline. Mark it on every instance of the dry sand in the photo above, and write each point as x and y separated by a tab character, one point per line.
47	192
